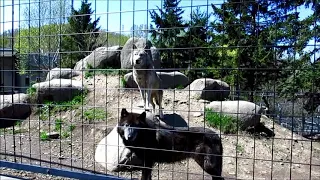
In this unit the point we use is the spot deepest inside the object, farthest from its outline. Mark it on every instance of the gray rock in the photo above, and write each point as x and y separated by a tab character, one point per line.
100	58
58	90
139	43
62	73
53	135
247	113
13	108
209	89
170	80
111	153
197	114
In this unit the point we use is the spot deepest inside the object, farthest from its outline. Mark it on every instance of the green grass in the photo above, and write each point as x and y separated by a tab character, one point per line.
50	108
16	131
180	87
225	123
58	125
123	83
95	114
239	148
65	134
71	127
18	123
44	136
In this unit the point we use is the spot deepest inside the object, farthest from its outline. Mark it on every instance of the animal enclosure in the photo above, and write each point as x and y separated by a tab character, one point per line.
161	89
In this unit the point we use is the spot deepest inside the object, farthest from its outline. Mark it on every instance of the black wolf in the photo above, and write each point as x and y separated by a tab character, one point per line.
167	144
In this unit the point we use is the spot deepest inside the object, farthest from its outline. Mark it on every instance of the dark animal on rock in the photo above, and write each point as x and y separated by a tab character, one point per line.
167	144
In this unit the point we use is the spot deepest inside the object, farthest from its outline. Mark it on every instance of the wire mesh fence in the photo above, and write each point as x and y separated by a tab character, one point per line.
160	89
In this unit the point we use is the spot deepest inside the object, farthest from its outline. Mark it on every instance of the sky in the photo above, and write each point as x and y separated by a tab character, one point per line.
116	15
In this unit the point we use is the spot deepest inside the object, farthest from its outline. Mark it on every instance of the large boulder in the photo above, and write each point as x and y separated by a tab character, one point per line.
209	89
247	113
13	108
139	43
170	80
58	90
102	57
62	73
112	154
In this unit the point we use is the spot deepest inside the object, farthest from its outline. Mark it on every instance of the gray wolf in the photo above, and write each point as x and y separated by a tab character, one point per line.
152	144
147	79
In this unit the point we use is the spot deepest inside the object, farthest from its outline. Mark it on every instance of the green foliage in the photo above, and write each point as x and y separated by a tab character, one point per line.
31	91
168	26
237	26
95	114
71	127
82	35
111	39
305	78
65	134
62	127
239	148
50	108
58	124
225	123
44	136
180	87
45	38
123	83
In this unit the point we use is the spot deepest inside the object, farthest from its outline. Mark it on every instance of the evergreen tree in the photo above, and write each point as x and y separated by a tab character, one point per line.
304	71
82	37
169	25
197	38
255	29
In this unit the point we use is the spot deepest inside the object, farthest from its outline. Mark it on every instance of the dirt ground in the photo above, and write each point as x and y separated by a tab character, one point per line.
286	156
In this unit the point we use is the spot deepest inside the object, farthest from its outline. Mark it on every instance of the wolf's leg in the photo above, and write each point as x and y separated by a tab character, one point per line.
211	162
148	96
147	171
143	95
159	102
153	96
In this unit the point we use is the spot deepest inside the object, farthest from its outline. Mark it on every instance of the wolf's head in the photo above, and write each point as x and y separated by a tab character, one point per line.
140	58
130	124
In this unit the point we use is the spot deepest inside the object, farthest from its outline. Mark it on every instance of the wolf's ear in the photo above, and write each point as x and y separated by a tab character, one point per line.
124	112
142	116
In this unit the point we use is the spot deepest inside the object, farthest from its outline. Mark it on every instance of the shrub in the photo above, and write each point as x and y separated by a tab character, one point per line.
44	136
52	107
58	125
225	123
31	91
